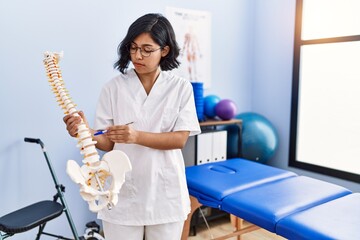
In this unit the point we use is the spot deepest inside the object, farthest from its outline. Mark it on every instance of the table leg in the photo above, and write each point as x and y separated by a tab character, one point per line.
194	205
237	223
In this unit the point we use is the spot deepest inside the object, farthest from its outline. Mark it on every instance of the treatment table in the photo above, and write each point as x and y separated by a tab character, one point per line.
280	201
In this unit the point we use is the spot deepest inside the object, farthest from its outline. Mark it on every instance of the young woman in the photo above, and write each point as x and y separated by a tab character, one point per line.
149	114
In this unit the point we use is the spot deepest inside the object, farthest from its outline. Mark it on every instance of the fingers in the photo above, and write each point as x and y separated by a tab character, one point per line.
71	115
120	134
82	115
118	131
72	122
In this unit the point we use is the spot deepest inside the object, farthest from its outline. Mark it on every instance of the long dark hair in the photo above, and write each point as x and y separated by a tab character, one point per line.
160	31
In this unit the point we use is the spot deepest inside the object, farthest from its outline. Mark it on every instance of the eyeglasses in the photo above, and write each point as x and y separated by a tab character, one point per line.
145	52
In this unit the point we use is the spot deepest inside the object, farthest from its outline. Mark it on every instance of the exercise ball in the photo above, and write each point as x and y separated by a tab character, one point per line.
210	102
259	137
225	109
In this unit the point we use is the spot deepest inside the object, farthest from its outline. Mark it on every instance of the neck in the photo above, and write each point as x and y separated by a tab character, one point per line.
148	80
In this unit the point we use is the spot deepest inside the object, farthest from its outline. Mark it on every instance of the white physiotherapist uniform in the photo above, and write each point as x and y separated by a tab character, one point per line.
155	191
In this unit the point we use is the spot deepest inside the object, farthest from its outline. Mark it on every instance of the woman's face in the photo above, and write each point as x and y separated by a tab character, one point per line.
146	54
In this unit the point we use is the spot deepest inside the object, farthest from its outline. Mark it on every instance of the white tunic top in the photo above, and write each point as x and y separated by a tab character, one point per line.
155	191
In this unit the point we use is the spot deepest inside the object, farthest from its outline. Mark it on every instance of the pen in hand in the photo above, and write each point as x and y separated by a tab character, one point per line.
99	132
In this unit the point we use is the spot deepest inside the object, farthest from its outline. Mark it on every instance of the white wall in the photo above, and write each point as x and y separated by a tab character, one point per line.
88	32
272	76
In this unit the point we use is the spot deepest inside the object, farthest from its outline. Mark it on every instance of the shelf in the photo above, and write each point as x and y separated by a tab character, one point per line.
210	123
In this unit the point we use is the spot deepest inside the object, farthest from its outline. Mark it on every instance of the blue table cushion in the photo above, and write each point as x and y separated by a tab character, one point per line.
265	205
211	182
337	219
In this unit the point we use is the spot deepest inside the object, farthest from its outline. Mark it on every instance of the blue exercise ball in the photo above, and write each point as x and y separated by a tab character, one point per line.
210	103
259	137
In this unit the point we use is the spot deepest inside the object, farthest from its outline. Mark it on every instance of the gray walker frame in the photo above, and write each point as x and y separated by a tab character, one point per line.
40	213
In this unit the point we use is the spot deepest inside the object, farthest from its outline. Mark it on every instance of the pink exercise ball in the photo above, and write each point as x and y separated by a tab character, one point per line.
226	109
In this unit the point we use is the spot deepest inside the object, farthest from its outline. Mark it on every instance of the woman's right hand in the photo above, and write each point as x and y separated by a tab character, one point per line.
72	122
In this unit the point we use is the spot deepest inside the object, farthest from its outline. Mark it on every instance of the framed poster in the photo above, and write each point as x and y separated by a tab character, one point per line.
193	34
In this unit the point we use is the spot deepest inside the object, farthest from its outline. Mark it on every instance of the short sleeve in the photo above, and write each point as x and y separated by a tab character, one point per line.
103	115
187	119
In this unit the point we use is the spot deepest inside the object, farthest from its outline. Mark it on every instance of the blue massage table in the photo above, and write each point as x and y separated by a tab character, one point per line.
280	201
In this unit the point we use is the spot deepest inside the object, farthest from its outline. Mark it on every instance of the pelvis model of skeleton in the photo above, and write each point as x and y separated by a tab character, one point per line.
100	181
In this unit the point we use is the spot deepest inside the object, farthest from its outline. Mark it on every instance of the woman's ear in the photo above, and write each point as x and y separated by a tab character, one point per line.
165	51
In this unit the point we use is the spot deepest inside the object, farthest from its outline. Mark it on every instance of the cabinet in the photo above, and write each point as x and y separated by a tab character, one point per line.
211	145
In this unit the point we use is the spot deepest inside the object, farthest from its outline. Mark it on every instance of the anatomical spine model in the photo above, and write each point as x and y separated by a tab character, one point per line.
94	174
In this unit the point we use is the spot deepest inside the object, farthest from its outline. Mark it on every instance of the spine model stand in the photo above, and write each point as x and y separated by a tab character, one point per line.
99	181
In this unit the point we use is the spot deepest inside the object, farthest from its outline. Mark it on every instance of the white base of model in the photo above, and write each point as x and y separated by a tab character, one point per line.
113	165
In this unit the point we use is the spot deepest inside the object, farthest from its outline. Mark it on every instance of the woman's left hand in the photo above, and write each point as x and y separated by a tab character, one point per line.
122	134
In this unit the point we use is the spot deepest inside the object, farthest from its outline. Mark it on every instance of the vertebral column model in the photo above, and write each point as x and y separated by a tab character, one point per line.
95	175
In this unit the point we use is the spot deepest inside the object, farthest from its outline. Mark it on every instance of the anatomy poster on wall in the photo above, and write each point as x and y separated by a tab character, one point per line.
193	34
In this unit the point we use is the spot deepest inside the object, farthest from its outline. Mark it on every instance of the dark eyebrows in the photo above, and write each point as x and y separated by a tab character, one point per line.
144	45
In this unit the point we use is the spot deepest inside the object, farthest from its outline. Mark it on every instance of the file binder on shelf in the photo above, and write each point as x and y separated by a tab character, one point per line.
211	145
